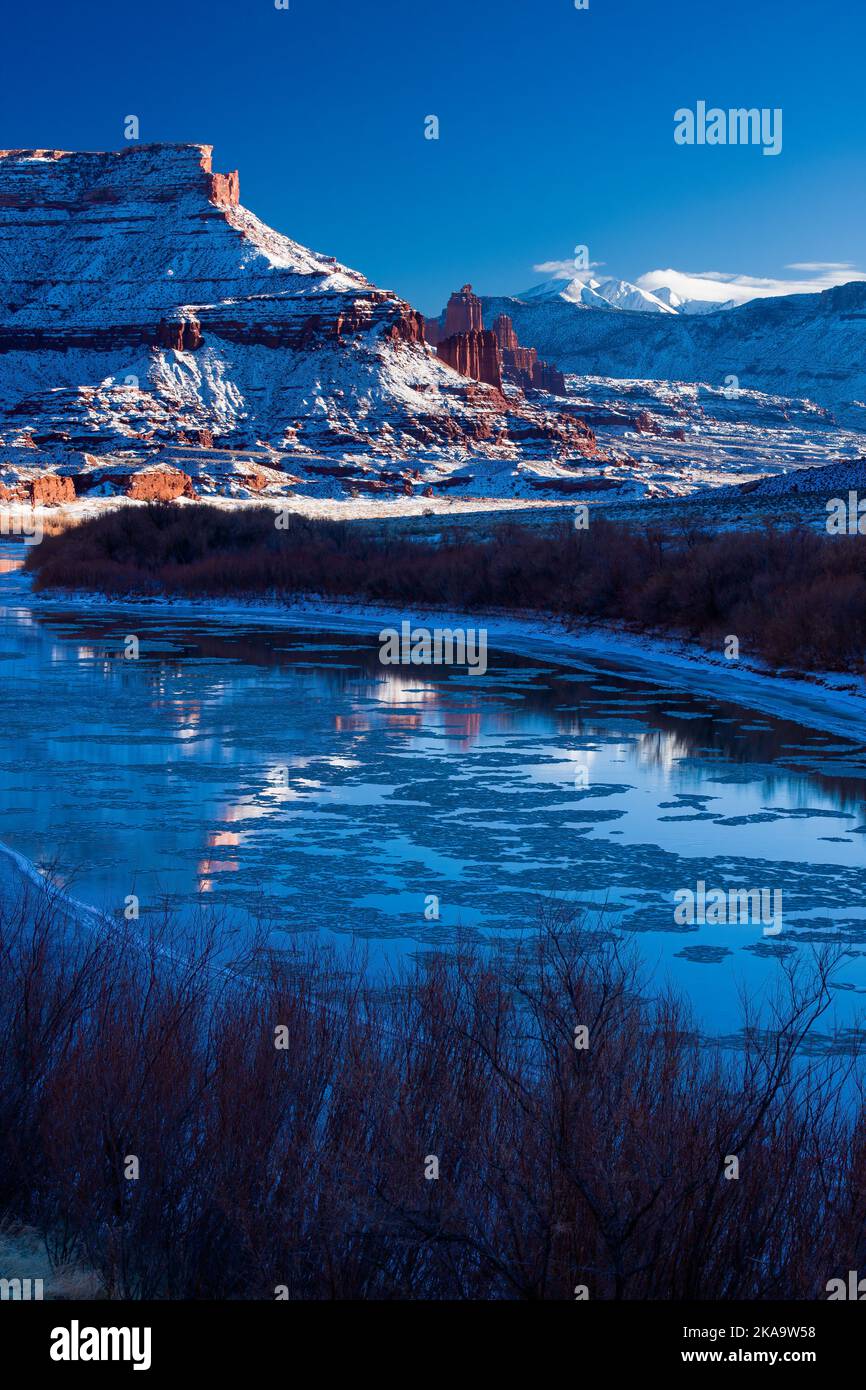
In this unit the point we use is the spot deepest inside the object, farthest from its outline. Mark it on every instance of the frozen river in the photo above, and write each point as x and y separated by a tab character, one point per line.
285	772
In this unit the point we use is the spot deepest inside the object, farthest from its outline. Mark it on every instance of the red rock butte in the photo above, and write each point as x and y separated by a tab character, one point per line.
493	355
31	174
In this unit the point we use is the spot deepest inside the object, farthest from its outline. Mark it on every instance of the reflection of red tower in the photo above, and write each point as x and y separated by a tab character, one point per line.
431	704
463	314
465	725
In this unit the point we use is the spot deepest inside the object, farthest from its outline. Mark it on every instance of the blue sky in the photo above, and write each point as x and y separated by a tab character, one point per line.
556	126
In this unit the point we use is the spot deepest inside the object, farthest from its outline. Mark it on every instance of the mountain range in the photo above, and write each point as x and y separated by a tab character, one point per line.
611	293
804	346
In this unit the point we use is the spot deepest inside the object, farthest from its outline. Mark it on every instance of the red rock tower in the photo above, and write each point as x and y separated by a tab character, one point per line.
474	354
463	314
505	334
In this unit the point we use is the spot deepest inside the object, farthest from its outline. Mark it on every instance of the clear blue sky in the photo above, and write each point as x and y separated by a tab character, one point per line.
556	125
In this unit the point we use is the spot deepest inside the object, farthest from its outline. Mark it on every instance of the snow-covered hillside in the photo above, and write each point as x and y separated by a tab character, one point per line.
809	346
663	439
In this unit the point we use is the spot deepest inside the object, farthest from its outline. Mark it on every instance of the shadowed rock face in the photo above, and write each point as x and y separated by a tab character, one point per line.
474	354
141	306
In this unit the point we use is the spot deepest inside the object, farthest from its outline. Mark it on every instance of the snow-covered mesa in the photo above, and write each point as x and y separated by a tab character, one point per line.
142	307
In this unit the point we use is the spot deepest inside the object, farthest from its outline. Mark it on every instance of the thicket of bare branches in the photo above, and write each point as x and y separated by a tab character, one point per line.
793	597
304	1167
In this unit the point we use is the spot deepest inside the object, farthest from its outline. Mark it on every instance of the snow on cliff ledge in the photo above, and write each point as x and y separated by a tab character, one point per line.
141	306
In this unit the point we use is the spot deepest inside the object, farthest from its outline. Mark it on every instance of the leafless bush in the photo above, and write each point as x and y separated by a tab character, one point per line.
793	597
310	1167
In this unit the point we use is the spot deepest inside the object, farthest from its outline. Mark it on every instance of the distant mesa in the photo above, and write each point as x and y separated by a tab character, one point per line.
491	355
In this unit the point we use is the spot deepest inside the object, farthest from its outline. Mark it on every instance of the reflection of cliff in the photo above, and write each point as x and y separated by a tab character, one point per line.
488	355
431	706
228	661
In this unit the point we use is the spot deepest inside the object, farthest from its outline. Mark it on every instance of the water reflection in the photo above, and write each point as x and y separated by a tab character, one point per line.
289	769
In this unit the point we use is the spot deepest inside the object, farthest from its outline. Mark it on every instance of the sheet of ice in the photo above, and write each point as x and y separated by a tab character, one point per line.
280	769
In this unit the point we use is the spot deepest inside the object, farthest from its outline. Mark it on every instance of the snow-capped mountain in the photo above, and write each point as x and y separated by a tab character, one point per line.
691	306
805	346
141	306
611	293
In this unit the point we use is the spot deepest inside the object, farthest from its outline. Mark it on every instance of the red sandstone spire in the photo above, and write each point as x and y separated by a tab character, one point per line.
463	314
505	334
474	354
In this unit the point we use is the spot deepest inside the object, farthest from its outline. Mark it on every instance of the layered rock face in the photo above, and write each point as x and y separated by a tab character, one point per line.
149	248
159	485
522	364
47	490
474	354
142	307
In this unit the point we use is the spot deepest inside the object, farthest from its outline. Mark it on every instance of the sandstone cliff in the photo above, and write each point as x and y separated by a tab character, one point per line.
474	354
143	307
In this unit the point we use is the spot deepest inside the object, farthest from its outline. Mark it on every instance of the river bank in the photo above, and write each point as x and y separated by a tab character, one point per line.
829	701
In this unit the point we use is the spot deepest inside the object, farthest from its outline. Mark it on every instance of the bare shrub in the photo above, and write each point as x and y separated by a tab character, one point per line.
793	597
310	1166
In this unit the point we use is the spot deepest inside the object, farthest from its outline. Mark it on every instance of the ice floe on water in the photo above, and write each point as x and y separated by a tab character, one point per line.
283	771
